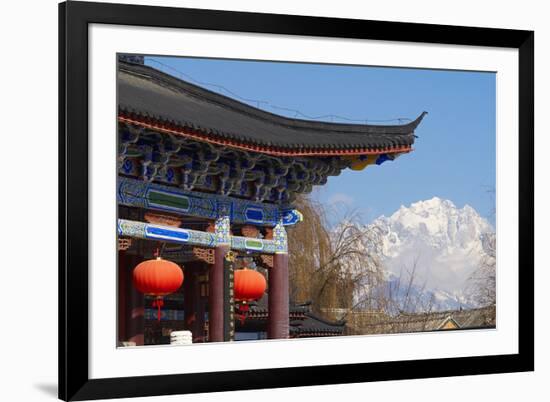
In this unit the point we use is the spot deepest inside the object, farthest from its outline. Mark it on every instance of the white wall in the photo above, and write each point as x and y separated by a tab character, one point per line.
28	91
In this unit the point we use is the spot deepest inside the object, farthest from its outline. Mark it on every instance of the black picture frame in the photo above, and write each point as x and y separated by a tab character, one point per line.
74	18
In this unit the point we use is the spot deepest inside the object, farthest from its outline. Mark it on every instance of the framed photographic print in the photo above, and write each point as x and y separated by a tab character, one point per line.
258	200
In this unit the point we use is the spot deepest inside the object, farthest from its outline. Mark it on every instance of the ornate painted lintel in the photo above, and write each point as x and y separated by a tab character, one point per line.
139	193
169	234
252	244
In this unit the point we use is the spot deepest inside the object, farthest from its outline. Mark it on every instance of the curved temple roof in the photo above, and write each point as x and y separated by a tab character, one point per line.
152	99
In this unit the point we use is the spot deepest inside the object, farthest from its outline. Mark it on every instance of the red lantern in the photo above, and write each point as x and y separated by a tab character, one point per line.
249	285
157	278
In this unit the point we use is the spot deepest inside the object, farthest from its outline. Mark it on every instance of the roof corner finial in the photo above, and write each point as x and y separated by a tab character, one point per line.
417	121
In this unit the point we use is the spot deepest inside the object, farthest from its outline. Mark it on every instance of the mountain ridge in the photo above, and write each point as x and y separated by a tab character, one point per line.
438	243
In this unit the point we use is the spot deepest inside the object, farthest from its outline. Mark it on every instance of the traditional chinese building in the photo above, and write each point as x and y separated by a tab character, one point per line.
303	323
209	183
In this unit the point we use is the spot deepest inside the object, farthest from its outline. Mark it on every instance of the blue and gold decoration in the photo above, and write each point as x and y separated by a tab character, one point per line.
138	193
280	238
222	230
360	162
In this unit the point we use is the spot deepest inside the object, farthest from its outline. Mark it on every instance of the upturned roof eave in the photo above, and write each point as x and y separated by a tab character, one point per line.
159	101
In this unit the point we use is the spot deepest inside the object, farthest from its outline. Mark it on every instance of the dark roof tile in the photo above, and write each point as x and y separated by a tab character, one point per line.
145	91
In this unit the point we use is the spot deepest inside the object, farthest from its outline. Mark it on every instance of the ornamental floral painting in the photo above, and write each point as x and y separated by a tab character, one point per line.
266	200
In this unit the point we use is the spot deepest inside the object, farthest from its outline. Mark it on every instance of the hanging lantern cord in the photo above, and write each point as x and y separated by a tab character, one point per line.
158	252
158	303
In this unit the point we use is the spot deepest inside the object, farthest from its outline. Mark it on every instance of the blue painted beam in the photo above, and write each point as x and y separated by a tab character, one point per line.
148	231
138	193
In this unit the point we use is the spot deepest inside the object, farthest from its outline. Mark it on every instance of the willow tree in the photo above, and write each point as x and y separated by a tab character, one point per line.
334	267
482	283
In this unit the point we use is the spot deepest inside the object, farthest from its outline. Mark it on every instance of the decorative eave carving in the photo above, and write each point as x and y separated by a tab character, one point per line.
201	166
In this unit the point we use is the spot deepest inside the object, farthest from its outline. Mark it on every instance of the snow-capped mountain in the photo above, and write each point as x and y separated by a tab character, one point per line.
443	244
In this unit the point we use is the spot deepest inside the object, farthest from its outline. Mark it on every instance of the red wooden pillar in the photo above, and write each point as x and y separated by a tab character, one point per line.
215	295
122	315
131	323
135	307
278	303
278	320
198	322
137	322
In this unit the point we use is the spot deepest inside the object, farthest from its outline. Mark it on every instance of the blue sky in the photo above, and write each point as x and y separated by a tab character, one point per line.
454	156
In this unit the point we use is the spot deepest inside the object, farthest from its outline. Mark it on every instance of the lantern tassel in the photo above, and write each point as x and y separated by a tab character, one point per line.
243	309
158	303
